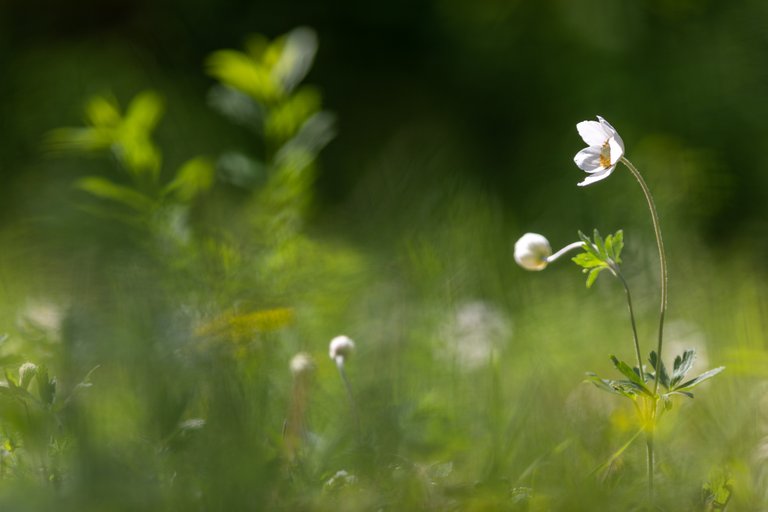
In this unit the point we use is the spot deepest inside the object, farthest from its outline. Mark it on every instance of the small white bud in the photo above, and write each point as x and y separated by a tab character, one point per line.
340	348
532	251
302	364
27	372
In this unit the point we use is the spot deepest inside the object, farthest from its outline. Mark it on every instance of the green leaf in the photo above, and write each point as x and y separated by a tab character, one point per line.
193	178
682	365
618	245
701	378
659	367
589	246
600	244
46	387
611	386
144	112
592	277
105	189
587	260
103	111
631	374
244	73
285	119
296	57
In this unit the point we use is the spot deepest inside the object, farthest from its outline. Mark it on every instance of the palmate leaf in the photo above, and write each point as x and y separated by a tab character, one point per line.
599	254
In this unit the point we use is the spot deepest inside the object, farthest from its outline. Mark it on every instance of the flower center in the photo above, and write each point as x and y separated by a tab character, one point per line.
605	155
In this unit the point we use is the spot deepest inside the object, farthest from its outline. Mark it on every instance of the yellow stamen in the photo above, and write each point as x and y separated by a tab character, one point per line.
605	155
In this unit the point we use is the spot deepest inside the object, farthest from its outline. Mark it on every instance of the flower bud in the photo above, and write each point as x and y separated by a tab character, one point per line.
340	348
532	251
27	372
302	364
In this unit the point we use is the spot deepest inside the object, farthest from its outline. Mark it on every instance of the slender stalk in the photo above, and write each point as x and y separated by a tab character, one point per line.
352	402
662	259
649	459
569	247
615	270
653	402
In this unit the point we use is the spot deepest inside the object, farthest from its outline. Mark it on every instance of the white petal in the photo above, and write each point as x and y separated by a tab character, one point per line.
593	133
617	148
610	130
588	159
596	177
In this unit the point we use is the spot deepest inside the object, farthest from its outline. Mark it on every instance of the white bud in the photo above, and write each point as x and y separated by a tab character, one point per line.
340	348
27	372
532	251
302	364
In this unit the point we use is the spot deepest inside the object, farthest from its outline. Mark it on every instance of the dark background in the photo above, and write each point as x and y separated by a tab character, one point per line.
489	92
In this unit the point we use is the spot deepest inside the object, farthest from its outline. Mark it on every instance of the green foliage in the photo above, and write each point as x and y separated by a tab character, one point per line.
639	382
682	365
599	254
194	326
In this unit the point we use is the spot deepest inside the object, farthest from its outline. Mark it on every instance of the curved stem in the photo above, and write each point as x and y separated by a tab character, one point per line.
662	260
616	272
569	247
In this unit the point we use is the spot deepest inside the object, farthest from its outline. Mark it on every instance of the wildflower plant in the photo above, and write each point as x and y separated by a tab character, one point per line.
650	387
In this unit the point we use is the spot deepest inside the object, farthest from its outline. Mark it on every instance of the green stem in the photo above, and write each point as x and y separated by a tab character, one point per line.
615	270
653	402
662	259
352	401
649	459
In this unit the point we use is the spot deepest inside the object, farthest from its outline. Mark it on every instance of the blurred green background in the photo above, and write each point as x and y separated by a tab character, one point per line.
454	135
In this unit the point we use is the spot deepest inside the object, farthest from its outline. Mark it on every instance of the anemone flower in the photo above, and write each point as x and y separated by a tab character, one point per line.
605	150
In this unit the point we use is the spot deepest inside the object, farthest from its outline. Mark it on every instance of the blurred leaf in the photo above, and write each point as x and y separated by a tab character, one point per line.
237	106
240	170
239	326
605	465
312	137
285	119
143	113
64	140
101	111
193	178
241	71
105	189
296	58
46	387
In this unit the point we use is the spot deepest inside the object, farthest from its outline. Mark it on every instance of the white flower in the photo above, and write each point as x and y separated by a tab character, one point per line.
605	150
302	364
340	348
532	251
